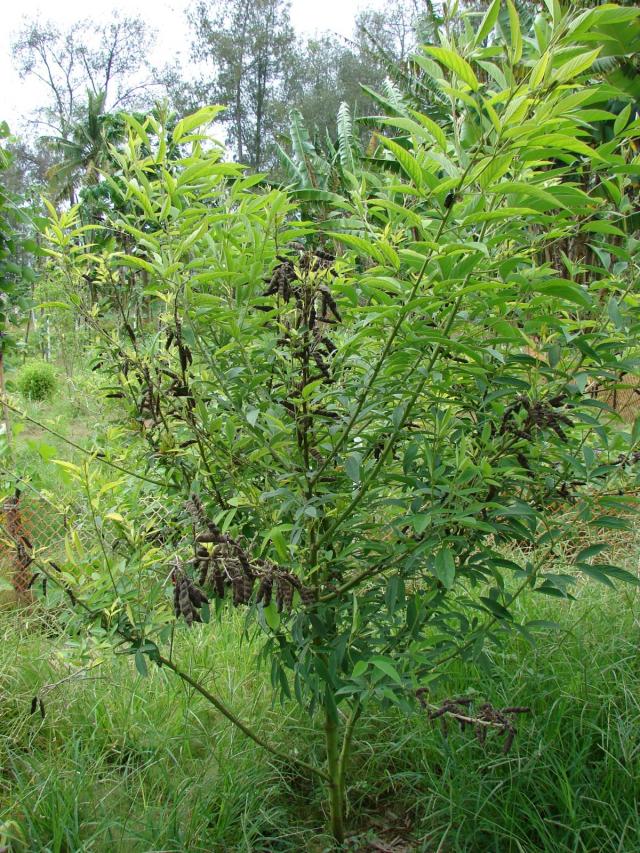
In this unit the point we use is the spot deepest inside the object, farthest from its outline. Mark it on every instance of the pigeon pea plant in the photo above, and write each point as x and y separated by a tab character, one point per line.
349	424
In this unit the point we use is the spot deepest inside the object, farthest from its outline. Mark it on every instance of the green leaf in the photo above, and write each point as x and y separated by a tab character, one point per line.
600	227
320	195
191	122
621	120
591	551
488	22
456	63
596	574
434	129
523	189
385	665
496	608
360	668
352	466
141	664
487	173
406	160
133	261
445	567
516	34
565	290
575	66
271	616
366	248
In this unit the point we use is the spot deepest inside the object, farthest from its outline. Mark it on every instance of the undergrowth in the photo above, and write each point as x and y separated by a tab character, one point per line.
121	762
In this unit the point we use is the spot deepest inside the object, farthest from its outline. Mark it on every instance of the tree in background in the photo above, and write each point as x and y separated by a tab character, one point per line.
99	58
85	151
16	273
246	47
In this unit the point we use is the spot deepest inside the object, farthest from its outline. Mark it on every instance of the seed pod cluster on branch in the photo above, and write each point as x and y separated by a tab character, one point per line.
539	414
487	717
229	565
187	598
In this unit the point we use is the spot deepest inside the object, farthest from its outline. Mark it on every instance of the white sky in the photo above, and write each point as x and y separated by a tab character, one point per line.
18	97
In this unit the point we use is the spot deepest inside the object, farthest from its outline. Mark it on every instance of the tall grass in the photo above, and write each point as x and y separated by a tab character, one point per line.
122	762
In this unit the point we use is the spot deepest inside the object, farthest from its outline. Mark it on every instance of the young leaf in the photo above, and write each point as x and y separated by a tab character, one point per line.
516	35
488	22
456	63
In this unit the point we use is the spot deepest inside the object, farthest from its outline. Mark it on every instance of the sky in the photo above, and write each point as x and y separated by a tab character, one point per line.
18	97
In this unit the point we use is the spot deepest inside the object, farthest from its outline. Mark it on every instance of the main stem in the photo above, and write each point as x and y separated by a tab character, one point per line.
346	749
336	795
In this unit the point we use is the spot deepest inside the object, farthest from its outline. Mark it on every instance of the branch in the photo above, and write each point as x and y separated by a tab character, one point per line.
199	688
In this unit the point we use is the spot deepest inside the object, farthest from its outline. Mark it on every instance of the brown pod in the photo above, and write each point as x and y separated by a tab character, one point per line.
176	599
265	590
307	595
288	595
198	598
244	563
186	608
218	583
237	586
207	536
247	588
205	565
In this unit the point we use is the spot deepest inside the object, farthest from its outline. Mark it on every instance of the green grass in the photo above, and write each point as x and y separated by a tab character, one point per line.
122	762
75	412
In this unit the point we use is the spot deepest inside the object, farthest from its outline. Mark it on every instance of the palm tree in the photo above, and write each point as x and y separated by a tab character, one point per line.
86	150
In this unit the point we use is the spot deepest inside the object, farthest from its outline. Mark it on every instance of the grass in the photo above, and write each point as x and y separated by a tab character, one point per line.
122	762
75	412
125	763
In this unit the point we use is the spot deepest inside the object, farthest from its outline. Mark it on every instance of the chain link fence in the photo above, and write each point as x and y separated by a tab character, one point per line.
32	526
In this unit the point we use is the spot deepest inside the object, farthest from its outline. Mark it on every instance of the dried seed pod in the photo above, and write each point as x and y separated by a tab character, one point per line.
185	356
247	589
208	536
218	583
203	560
196	510
176	600
284	594
184	601
265	590
198	598
237	587
187	598
324	370
328	345
307	595
508	742
328	304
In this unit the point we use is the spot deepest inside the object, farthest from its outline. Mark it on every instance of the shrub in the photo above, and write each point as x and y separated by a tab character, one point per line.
354	422
37	381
